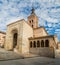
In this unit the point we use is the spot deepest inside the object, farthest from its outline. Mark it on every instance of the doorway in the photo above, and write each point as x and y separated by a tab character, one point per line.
15	35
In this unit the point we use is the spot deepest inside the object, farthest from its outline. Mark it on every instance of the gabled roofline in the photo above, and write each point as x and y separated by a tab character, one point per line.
41	27
15	22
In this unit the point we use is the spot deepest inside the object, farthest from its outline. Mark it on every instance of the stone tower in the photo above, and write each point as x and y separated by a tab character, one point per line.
32	19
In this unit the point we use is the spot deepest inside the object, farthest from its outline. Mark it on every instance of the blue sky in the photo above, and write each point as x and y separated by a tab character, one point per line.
48	12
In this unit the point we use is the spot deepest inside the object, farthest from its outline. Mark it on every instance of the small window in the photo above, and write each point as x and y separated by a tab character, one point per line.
34	43
38	43
32	21
32	26
31	44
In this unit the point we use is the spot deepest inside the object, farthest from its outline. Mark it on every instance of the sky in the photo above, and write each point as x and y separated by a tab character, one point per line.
47	11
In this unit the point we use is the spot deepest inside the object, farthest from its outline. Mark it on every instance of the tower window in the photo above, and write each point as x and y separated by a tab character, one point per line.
32	26
32	21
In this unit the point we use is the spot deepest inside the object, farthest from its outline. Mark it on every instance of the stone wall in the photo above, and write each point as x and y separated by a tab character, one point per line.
9	35
24	32
39	32
34	22
44	51
27	32
58	46
2	39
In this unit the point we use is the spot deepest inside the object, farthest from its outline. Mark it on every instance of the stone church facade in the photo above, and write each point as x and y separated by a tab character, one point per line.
27	37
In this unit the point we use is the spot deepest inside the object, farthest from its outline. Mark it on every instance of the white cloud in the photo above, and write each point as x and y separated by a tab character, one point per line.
18	9
57	30
46	17
49	25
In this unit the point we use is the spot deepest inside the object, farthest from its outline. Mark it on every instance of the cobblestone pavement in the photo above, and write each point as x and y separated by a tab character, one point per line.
32	61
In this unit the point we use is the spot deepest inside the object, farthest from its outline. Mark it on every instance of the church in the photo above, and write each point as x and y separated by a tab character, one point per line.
27	37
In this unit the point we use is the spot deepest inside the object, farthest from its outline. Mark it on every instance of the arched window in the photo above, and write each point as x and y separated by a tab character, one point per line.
32	25
34	44
38	43
46	43
32	21
42	43
31	44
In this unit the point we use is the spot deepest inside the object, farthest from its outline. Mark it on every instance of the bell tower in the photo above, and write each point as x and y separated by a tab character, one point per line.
32	19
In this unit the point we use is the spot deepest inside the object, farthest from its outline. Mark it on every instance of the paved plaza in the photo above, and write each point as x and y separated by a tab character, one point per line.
12	58
32	61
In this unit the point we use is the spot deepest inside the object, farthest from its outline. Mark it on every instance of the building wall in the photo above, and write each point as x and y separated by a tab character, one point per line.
39	32
56	39
2	39
58	46
24	32
9	36
44	51
27	32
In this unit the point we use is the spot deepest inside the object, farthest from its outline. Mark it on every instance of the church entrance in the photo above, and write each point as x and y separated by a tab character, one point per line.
15	35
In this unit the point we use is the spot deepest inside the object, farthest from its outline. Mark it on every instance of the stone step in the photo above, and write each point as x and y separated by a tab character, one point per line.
6	55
